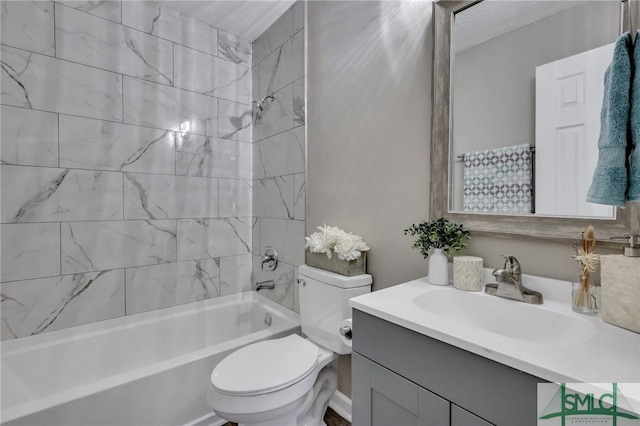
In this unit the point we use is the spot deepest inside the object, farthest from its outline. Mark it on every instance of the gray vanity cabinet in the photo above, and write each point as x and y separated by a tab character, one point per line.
401	377
384	398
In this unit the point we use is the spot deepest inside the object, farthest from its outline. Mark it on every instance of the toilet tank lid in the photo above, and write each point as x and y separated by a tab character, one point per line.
334	279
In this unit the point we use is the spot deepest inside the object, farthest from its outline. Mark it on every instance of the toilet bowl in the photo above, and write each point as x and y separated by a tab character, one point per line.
272	382
289	381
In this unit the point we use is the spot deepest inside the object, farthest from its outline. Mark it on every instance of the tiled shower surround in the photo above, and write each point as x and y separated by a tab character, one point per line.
279	153
127	172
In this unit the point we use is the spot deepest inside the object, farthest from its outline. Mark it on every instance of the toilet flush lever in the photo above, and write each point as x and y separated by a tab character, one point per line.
270	259
345	331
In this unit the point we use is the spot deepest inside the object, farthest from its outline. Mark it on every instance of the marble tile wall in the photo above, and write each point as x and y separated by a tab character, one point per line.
279	153
126	160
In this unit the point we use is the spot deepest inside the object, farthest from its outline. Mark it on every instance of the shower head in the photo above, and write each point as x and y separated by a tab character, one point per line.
259	106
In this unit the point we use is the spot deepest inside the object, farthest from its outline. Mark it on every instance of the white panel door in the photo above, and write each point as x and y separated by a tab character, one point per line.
568	103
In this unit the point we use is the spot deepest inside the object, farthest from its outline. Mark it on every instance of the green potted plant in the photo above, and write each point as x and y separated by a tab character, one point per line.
445	238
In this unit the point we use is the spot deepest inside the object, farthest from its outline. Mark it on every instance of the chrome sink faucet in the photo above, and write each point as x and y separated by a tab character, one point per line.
509	283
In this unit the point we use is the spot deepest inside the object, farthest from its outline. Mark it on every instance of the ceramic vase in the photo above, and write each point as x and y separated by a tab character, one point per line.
438	268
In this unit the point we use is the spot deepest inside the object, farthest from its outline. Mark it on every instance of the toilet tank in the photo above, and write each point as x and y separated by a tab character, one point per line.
324	304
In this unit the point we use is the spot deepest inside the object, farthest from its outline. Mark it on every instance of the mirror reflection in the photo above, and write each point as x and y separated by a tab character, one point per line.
527	87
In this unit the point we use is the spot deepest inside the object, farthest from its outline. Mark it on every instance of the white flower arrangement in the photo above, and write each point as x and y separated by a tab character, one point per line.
346	245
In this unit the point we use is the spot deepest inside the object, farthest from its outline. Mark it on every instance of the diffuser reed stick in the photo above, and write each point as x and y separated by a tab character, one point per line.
588	260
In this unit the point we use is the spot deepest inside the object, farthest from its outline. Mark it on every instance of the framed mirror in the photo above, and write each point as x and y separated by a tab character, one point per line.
490	95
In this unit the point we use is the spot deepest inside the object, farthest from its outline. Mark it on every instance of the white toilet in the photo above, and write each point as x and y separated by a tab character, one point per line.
288	381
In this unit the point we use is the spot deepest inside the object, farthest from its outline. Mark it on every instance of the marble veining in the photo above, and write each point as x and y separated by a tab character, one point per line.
105	145
195	155
224	158
166	23
298	102
273	38
30	250
107	45
27	79
235	121
138	188
36	306
108	9
234	48
156	105
287	234
283	66
235	274
255	236
283	276
47	194
149	196
160	286
95	246
299	196
29	138
210	238
209	75
274	197
277	117
281	154
28	25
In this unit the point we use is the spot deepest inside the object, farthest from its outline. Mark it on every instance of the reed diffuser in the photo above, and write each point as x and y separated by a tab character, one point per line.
583	298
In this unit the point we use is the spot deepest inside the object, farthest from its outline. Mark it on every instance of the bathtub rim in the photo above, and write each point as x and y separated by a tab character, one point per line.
15	347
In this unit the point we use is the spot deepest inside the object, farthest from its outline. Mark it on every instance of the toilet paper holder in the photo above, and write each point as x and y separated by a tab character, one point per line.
345	331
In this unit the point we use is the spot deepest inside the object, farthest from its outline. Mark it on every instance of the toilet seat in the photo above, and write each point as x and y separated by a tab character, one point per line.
265	367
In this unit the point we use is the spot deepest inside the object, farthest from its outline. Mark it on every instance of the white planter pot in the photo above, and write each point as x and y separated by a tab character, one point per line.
438	268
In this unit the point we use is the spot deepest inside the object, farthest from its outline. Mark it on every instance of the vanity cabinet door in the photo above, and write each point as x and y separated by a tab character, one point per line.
382	398
461	417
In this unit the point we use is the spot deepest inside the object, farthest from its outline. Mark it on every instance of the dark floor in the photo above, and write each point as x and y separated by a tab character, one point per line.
331	418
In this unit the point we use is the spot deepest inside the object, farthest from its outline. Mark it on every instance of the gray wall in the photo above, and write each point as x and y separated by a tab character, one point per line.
107	208
369	101
369	112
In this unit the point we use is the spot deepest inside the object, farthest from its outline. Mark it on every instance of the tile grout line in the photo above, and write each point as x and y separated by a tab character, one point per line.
58	117
157	36
84	169
122	95
121	74
112	121
55	49
60	231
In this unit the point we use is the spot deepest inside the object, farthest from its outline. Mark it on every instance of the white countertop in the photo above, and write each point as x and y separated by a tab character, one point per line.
603	353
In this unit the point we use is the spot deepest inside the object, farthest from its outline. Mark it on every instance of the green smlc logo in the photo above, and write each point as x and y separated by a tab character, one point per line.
567	403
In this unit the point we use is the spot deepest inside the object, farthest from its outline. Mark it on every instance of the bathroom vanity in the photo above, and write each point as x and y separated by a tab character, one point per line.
429	355
447	386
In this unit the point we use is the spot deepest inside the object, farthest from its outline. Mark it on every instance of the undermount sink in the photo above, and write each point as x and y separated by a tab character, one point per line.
505	317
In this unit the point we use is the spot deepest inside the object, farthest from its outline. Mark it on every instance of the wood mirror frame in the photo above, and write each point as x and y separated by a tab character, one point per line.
514	226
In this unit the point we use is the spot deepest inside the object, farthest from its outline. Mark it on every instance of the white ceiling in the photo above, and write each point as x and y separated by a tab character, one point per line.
247	19
492	18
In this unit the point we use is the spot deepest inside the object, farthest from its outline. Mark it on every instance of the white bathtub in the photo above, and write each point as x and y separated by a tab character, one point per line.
146	369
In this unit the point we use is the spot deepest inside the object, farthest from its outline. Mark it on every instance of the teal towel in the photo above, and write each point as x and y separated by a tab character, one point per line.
609	185
633	193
